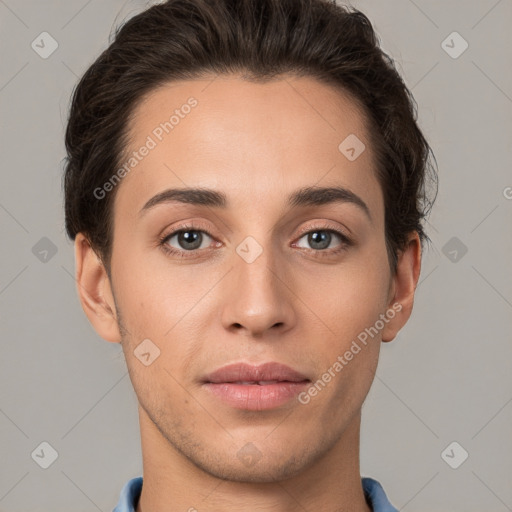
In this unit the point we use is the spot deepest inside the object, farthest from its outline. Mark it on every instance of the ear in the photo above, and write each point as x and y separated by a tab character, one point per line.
403	286
94	291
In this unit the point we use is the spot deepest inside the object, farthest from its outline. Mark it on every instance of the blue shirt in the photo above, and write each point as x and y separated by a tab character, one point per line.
373	492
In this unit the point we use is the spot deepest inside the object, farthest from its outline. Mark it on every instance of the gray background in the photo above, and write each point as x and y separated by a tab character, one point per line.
446	377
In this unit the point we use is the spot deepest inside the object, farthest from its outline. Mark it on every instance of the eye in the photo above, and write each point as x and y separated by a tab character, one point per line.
320	239
187	239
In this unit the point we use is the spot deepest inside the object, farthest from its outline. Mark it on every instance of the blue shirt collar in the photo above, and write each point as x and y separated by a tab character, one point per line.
375	495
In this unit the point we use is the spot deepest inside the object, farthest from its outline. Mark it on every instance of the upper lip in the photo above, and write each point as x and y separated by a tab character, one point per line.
243	372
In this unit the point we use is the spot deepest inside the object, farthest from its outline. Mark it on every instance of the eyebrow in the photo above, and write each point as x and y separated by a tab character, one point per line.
306	196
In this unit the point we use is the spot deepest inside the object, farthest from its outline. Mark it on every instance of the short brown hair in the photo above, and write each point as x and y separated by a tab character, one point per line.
188	39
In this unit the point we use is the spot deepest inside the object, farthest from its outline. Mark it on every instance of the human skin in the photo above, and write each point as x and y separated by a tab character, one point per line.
256	143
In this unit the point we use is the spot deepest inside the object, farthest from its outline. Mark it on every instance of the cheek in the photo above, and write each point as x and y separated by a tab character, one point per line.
350	298
165	305
342	300
147	296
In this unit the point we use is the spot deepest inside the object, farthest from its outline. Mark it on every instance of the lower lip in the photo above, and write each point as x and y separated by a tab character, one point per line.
255	397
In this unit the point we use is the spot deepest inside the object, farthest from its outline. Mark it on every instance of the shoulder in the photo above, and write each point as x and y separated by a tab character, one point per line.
129	495
375	496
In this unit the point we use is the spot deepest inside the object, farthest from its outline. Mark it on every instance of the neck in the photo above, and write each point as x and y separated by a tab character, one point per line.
174	484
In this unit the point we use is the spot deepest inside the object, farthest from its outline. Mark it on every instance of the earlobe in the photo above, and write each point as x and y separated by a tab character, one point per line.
404	284
94	291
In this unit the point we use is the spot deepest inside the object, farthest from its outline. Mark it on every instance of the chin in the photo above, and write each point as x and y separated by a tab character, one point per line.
262	474
264	470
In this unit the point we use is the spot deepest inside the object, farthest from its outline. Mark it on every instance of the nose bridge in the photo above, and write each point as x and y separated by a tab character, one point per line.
258	299
255	268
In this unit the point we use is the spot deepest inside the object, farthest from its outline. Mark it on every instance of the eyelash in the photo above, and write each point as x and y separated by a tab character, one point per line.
345	240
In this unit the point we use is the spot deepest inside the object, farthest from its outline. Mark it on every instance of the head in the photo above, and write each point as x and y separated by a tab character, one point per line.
289	122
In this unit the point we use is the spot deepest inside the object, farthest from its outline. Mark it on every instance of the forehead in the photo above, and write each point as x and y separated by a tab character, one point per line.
279	107
248	139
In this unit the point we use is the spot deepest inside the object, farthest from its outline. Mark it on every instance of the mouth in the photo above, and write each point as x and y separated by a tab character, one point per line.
258	382
255	388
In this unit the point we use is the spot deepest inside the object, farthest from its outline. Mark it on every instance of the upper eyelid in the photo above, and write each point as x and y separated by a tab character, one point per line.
326	227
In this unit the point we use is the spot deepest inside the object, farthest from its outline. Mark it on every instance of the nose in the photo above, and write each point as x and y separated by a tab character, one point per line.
259	296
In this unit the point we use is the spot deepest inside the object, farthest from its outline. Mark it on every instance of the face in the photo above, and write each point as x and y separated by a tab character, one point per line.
253	277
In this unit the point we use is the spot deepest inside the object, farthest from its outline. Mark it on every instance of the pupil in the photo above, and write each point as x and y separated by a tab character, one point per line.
325	236
188	238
